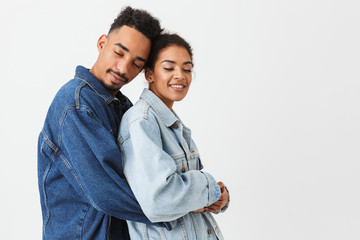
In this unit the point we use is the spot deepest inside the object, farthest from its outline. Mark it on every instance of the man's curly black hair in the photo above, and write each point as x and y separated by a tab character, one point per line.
141	20
163	41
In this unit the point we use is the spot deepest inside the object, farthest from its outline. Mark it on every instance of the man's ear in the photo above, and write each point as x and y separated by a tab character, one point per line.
102	42
149	75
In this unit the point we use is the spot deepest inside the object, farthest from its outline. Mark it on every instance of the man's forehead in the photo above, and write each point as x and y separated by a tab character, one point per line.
130	40
126	32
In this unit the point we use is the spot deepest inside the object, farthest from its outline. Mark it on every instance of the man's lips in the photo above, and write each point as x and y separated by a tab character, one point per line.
118	76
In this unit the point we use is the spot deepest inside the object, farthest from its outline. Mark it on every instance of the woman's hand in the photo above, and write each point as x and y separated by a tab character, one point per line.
200	210
219	204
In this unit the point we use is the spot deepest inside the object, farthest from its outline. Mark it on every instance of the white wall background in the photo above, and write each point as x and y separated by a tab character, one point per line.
274	106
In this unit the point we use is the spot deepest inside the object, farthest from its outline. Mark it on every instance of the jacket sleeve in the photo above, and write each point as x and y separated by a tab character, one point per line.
163	194
91	161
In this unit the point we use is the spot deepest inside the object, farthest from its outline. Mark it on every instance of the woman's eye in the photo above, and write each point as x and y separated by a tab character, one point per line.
169	69
137	66
187	70
120	54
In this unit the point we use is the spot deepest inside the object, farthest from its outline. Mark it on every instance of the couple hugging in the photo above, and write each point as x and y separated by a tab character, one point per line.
111	170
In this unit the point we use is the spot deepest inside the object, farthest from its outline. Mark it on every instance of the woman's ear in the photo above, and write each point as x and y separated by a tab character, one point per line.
149	75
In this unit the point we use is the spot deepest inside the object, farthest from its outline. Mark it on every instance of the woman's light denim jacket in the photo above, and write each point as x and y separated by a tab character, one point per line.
162	166
83	191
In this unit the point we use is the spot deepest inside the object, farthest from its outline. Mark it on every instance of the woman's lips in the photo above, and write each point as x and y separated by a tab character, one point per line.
177	87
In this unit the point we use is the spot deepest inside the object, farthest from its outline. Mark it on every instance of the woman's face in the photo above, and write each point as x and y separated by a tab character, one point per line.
171	78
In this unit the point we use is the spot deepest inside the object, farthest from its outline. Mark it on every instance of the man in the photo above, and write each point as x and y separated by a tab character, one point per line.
83	192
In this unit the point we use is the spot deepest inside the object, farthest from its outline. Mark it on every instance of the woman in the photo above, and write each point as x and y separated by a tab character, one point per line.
161	161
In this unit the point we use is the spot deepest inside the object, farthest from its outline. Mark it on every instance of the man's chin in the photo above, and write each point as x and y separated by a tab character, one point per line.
112	88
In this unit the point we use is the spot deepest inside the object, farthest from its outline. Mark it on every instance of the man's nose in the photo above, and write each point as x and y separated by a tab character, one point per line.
124	66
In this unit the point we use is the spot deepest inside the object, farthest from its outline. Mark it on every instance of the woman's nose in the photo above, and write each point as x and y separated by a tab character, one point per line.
179	74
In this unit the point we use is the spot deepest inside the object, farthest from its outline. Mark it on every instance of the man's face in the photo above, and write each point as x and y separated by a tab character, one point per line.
122	56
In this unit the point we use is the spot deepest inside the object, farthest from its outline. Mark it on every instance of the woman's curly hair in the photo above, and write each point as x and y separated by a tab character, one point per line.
163	41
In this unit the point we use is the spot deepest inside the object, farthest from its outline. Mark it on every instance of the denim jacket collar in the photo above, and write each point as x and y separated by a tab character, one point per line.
165	114
85	75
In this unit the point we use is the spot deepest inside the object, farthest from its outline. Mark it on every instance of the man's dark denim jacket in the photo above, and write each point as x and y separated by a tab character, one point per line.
83	192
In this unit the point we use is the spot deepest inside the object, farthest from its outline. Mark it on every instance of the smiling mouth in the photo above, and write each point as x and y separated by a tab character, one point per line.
176	86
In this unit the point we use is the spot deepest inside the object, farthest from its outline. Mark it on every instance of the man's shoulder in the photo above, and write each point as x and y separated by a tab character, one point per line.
67	91
73	95
76	91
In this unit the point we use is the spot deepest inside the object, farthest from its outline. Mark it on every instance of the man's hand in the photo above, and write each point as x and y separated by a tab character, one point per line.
219	204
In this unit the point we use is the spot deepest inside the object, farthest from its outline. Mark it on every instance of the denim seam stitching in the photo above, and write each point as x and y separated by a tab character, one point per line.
122	140
152	106
83	223
48	142
62	119
77	94
46	173
213	224
209	199
195	223
146	117
183	229
144	231
162	234
94	89
108	229
73	173
178	156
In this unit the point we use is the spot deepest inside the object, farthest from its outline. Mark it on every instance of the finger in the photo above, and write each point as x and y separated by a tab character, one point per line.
213	209
222	198
224	195
218	205
214	206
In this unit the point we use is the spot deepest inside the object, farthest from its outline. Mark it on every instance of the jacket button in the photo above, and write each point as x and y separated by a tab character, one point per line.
209	231
175	125
215	229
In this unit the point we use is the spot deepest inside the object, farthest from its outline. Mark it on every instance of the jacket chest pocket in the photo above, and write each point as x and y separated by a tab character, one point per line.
183	164
184	153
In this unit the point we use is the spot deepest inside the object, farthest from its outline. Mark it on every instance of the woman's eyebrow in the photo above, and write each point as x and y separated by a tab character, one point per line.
185	63
169	61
